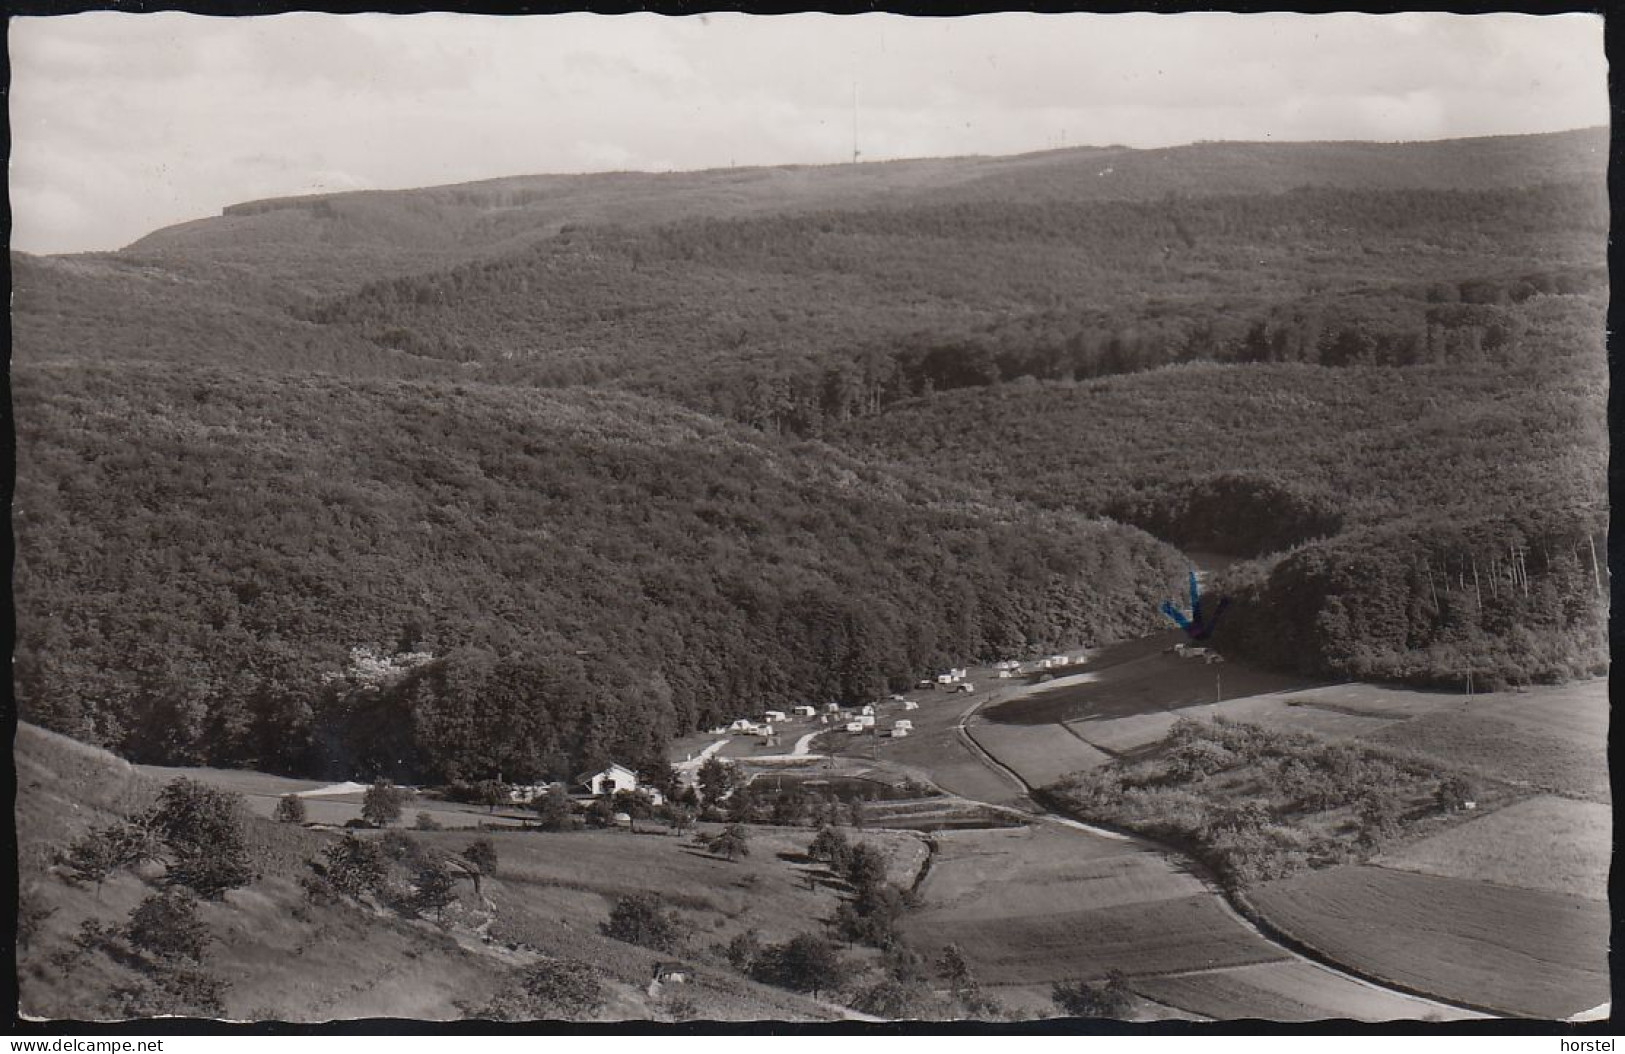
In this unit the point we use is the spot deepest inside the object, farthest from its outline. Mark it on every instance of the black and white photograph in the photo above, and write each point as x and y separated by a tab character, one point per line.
811	519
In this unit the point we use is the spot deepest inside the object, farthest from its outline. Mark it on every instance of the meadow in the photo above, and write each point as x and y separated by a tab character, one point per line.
286	957
1546	843
1039	754
1294	991
1049	903
1513	951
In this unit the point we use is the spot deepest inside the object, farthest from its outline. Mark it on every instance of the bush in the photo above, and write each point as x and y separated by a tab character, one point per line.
1198	758
891	998
426	822
104	850
290	808
202	829
804	963
742	950
553	989
873	916
171	992
732	842
1453	793
354	866
1110	998
165	926
640	919
554	810
831	847
398	846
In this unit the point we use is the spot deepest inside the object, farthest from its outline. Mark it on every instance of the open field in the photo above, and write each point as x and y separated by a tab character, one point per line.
1036	905
565	882
1138	938
1554	844
1044	868
1040	754
1518	951
934	750
1551	739
284	958
1137	677
1292	990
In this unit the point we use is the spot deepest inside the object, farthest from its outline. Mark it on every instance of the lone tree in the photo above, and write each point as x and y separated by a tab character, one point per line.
636	805
952	967
290	808
865	867
641	918
491	793
483	855
831	847
600	813
433	888
1109	998
382	804
553	807
716	778
202	832
732	842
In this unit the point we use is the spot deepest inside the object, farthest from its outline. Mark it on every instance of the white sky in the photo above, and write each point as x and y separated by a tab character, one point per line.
123	123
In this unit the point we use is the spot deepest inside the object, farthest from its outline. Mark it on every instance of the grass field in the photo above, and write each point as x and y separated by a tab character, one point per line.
1041	869
1047	903
285	959
1518	951
1293	990
1040	754
1137	677
1548	843
1551	739
1138	938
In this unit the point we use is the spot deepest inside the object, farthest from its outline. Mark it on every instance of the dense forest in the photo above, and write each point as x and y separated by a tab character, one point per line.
442	581
521	476
790	321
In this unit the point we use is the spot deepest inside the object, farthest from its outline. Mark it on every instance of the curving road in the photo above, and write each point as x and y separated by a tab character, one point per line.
1241	918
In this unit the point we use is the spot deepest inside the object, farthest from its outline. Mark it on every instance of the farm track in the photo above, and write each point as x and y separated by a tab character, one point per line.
1234	905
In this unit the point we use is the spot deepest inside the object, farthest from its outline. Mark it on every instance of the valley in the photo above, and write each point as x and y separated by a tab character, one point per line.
464	495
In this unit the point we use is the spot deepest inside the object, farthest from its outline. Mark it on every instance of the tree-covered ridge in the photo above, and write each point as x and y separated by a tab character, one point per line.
1448	516
321	242
587	573
789	321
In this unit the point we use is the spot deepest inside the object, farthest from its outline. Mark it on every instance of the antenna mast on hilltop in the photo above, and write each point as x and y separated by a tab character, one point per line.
854	120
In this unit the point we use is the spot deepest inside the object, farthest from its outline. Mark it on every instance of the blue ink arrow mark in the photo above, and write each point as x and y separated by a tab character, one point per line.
1194	625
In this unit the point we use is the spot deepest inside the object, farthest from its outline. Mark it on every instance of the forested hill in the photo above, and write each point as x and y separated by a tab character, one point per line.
348	238
440	580
579	463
